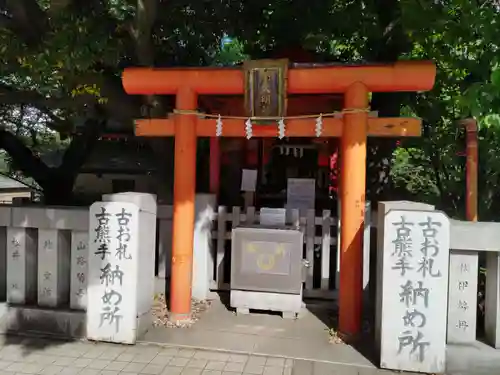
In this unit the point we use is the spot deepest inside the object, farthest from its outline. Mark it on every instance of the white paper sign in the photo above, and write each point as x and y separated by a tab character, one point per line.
113	272
273	216
248	180
414	291
301	193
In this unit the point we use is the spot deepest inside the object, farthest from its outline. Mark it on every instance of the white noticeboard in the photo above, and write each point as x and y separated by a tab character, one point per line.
113	272
249	180
273	216
414	291
301	193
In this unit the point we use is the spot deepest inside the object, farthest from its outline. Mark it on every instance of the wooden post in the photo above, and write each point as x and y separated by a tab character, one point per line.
184	198
471	168
249	198
353	183
333	166
215	156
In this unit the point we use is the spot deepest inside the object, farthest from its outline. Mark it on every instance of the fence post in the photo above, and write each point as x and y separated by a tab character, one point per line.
164	242
203	262
5	221
53	267
21	265
492	306
310	234
462	297
367	250
79	269
326	249
221	244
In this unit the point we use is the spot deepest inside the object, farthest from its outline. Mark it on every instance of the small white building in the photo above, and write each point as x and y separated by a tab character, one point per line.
11	189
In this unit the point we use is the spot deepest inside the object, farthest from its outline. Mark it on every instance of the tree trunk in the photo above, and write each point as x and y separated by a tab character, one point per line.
58	191
56	183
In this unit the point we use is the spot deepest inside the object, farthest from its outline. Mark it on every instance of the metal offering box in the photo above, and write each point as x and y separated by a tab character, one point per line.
267	269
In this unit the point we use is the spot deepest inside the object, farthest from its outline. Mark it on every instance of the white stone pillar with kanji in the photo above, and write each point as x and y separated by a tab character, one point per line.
114	285
413	260
146	261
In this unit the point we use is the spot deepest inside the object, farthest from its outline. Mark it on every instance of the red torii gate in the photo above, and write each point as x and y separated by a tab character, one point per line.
355	82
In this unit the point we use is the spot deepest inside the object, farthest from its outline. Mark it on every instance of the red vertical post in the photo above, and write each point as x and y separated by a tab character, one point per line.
471	168
352	193
184	199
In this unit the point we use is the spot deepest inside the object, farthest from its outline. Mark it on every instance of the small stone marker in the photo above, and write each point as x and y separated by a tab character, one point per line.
53	267
21	266
414	291
462	297
113	282
79	270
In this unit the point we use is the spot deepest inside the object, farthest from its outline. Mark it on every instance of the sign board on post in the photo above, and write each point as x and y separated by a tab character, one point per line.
414	291
112	306
273	216
301	193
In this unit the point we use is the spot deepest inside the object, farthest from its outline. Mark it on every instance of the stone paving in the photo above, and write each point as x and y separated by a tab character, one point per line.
37	356
27	356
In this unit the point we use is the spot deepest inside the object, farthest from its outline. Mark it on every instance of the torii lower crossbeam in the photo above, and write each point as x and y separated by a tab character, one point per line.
332	127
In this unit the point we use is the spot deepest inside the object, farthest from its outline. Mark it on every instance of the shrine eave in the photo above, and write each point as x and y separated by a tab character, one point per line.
399	76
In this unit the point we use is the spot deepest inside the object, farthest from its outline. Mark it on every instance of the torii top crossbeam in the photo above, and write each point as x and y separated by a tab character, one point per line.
353	126
401	76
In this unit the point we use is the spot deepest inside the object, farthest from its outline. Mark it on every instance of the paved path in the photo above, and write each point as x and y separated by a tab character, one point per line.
31	356
40	356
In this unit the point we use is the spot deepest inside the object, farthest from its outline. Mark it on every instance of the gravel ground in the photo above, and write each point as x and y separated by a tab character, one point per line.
160	313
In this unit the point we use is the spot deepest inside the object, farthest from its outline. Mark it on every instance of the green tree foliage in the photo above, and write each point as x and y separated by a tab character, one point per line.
232	52
63	59
462	38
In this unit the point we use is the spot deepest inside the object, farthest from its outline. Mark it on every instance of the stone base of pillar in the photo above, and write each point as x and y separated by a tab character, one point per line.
180	319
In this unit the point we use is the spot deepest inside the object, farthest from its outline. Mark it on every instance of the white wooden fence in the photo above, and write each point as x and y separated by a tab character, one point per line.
320	245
